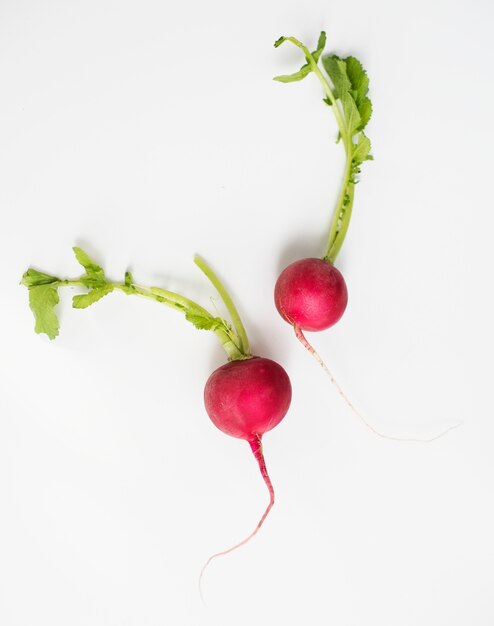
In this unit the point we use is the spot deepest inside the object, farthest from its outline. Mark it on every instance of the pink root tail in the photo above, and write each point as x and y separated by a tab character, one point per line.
301	337
256	446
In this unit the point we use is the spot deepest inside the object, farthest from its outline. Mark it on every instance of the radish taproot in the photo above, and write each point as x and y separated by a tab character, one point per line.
311	294
244	398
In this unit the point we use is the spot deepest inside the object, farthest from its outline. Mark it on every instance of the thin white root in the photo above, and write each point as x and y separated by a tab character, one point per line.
301	337
223	552
256	447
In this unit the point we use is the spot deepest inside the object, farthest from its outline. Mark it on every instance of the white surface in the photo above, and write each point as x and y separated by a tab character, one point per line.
148	131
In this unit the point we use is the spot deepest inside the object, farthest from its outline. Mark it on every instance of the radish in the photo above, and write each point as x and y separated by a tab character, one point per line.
244	398
311	294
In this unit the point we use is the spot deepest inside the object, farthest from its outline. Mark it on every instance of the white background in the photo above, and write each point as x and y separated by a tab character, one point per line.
149	131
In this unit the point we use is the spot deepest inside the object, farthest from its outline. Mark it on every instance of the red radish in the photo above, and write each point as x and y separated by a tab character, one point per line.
311	294
245	398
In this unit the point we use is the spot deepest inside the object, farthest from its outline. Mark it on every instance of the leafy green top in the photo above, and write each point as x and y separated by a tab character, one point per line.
43	298
347	96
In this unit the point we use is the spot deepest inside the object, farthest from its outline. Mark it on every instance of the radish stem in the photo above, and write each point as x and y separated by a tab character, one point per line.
43	290
338	100
225	296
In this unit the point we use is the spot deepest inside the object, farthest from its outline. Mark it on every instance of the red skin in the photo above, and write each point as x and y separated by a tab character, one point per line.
311	294
247	398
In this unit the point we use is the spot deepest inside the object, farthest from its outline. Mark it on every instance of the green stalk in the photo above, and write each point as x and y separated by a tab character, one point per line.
228	339
225	296
344	204
342	213
336	240
43	297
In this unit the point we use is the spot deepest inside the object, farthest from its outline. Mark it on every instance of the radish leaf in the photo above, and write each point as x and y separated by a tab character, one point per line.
305	69
85	300
202	322
350	82
42	300
358	78
362	149
95	276
336	69
350	111
365	110
33	278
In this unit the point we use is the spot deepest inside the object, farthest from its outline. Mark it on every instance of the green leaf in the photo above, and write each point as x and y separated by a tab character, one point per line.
32	278
296	76
350	111
305	69
365	110
336	70
85	261
321	43
129	279
42	300
202	322
359	88
95	276
358	78
85	300
362	149
349	77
